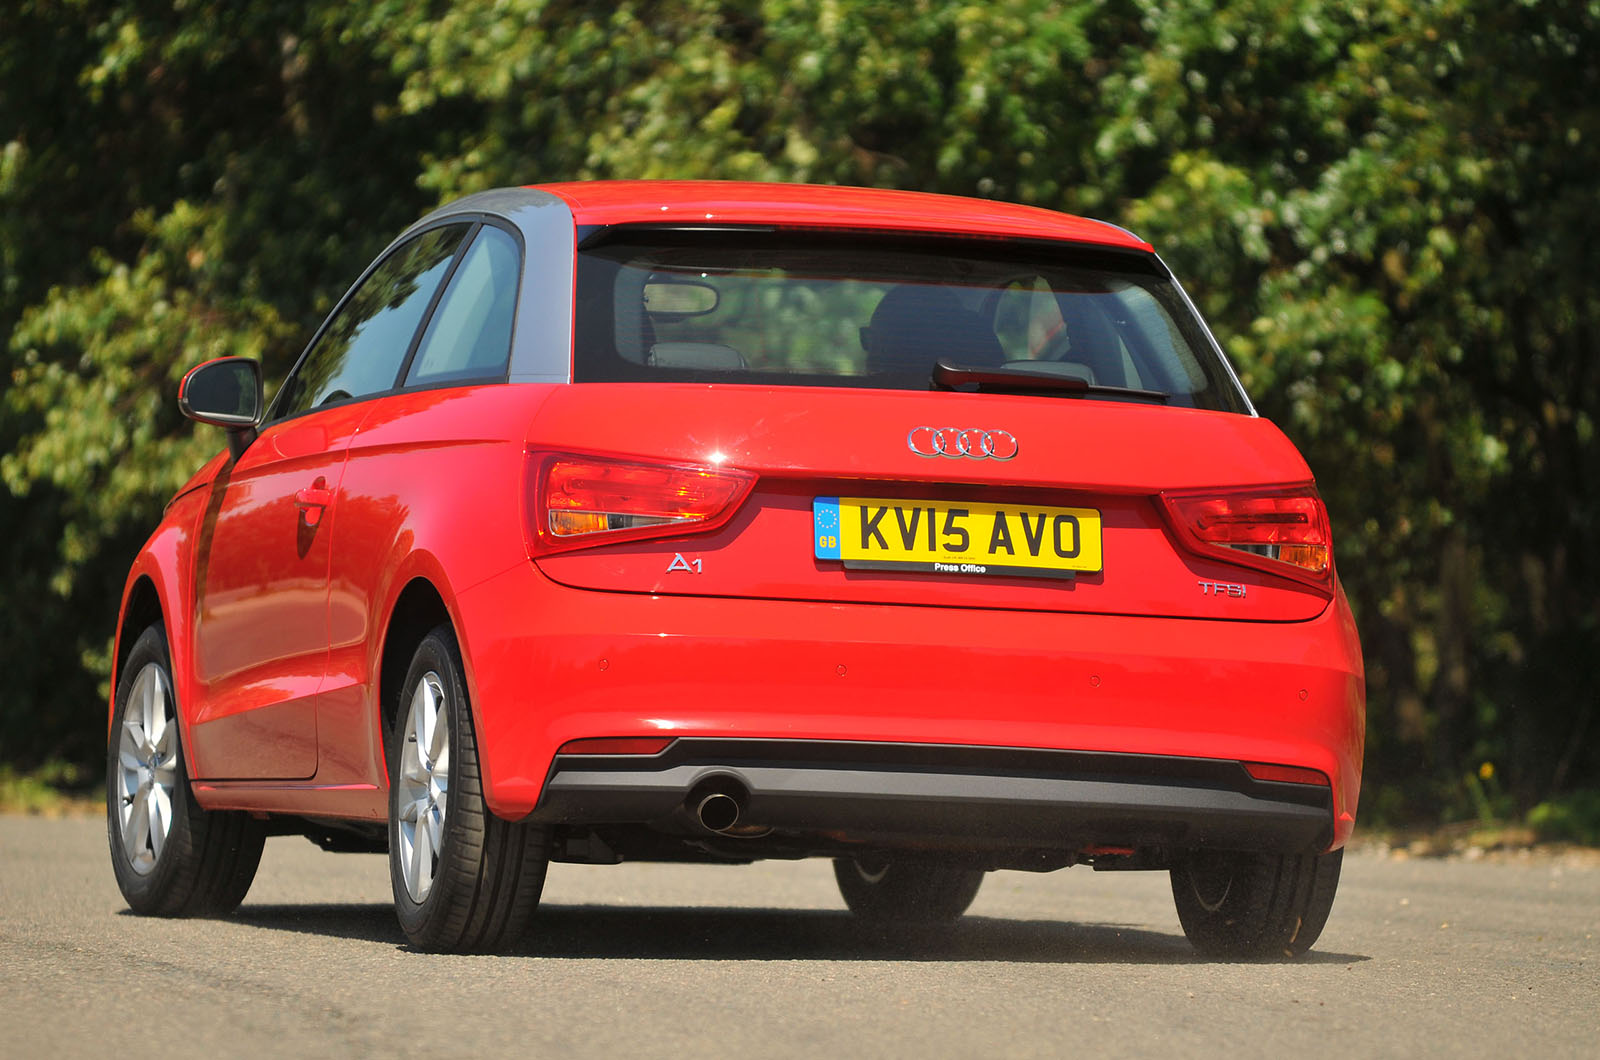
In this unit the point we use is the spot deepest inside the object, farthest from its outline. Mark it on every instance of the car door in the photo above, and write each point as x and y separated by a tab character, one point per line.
261	579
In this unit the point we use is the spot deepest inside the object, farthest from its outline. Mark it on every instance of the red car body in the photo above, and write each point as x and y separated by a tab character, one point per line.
1185	695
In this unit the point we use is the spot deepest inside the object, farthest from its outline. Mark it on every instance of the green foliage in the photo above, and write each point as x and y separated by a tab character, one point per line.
1573	818
109	438
46	790
1383	207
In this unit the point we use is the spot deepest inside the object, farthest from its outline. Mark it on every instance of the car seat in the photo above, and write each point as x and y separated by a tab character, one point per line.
915	325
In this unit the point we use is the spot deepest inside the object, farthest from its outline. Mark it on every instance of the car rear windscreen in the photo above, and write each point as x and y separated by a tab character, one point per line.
863	310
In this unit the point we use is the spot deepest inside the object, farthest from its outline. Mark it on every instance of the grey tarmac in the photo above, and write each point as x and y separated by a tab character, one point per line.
1420	958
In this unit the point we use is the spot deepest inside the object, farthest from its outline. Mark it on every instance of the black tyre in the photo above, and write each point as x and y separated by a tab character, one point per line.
464	880
171	857
1255	905
905	892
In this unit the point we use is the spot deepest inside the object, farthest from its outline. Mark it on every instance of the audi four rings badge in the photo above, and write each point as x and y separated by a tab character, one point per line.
962	441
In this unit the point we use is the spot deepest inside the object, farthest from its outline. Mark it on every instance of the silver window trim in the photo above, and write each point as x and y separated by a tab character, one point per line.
541	334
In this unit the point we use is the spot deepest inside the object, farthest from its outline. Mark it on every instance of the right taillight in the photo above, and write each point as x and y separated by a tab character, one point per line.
1283	530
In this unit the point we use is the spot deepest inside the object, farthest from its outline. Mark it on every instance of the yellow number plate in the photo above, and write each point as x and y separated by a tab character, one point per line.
955	537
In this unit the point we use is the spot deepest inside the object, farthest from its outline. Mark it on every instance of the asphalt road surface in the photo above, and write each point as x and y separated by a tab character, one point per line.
1420	958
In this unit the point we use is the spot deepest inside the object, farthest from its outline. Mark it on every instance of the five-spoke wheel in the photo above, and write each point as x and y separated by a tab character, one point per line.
464	880
424	785
146	773
171	857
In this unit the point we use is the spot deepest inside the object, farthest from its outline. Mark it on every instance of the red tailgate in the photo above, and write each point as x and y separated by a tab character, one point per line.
1111	458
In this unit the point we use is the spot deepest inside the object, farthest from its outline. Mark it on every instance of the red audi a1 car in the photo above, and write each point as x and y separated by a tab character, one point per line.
714	522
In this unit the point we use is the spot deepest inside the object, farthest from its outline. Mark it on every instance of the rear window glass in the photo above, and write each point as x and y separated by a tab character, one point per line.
758	307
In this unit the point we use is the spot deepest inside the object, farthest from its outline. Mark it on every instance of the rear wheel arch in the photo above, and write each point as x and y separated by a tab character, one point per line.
418	609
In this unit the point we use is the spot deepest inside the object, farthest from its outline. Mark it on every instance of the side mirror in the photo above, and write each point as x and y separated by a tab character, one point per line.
226	393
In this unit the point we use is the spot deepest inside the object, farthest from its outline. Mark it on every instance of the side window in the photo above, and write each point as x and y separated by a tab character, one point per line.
469	336
361	350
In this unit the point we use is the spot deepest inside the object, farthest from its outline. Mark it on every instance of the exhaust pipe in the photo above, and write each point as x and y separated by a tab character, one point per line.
718	812
718	803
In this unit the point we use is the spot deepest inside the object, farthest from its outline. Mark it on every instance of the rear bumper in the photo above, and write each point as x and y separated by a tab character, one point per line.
549	664
935	794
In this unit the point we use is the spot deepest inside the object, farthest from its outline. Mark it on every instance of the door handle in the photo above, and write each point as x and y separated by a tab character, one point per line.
312	501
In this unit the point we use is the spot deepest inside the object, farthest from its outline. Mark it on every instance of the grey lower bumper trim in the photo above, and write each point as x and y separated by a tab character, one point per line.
1029	797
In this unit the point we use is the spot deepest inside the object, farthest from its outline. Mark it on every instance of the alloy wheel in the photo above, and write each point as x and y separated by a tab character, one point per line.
147	774
424	785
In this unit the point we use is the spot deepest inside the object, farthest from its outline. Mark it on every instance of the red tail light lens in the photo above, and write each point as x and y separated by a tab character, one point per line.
616	745
581	501
1286	774
1282	530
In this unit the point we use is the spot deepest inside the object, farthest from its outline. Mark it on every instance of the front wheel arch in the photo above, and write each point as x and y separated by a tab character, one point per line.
141	610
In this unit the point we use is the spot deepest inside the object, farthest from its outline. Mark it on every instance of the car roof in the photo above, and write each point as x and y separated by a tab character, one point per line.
611	202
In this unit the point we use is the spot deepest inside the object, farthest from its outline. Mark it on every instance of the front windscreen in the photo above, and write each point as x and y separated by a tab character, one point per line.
863	310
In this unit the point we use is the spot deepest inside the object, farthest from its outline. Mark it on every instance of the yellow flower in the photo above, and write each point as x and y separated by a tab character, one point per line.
1486	771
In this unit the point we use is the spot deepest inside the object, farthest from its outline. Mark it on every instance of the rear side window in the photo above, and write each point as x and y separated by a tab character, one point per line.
360	351
877	311
469	335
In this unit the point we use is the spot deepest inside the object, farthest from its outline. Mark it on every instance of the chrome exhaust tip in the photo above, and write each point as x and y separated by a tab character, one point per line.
718	811
717	803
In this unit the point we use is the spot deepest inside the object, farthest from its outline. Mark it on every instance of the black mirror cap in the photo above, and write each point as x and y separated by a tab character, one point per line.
225	392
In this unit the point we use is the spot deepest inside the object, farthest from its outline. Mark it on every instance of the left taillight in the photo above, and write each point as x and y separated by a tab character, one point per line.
1282	530
579	501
